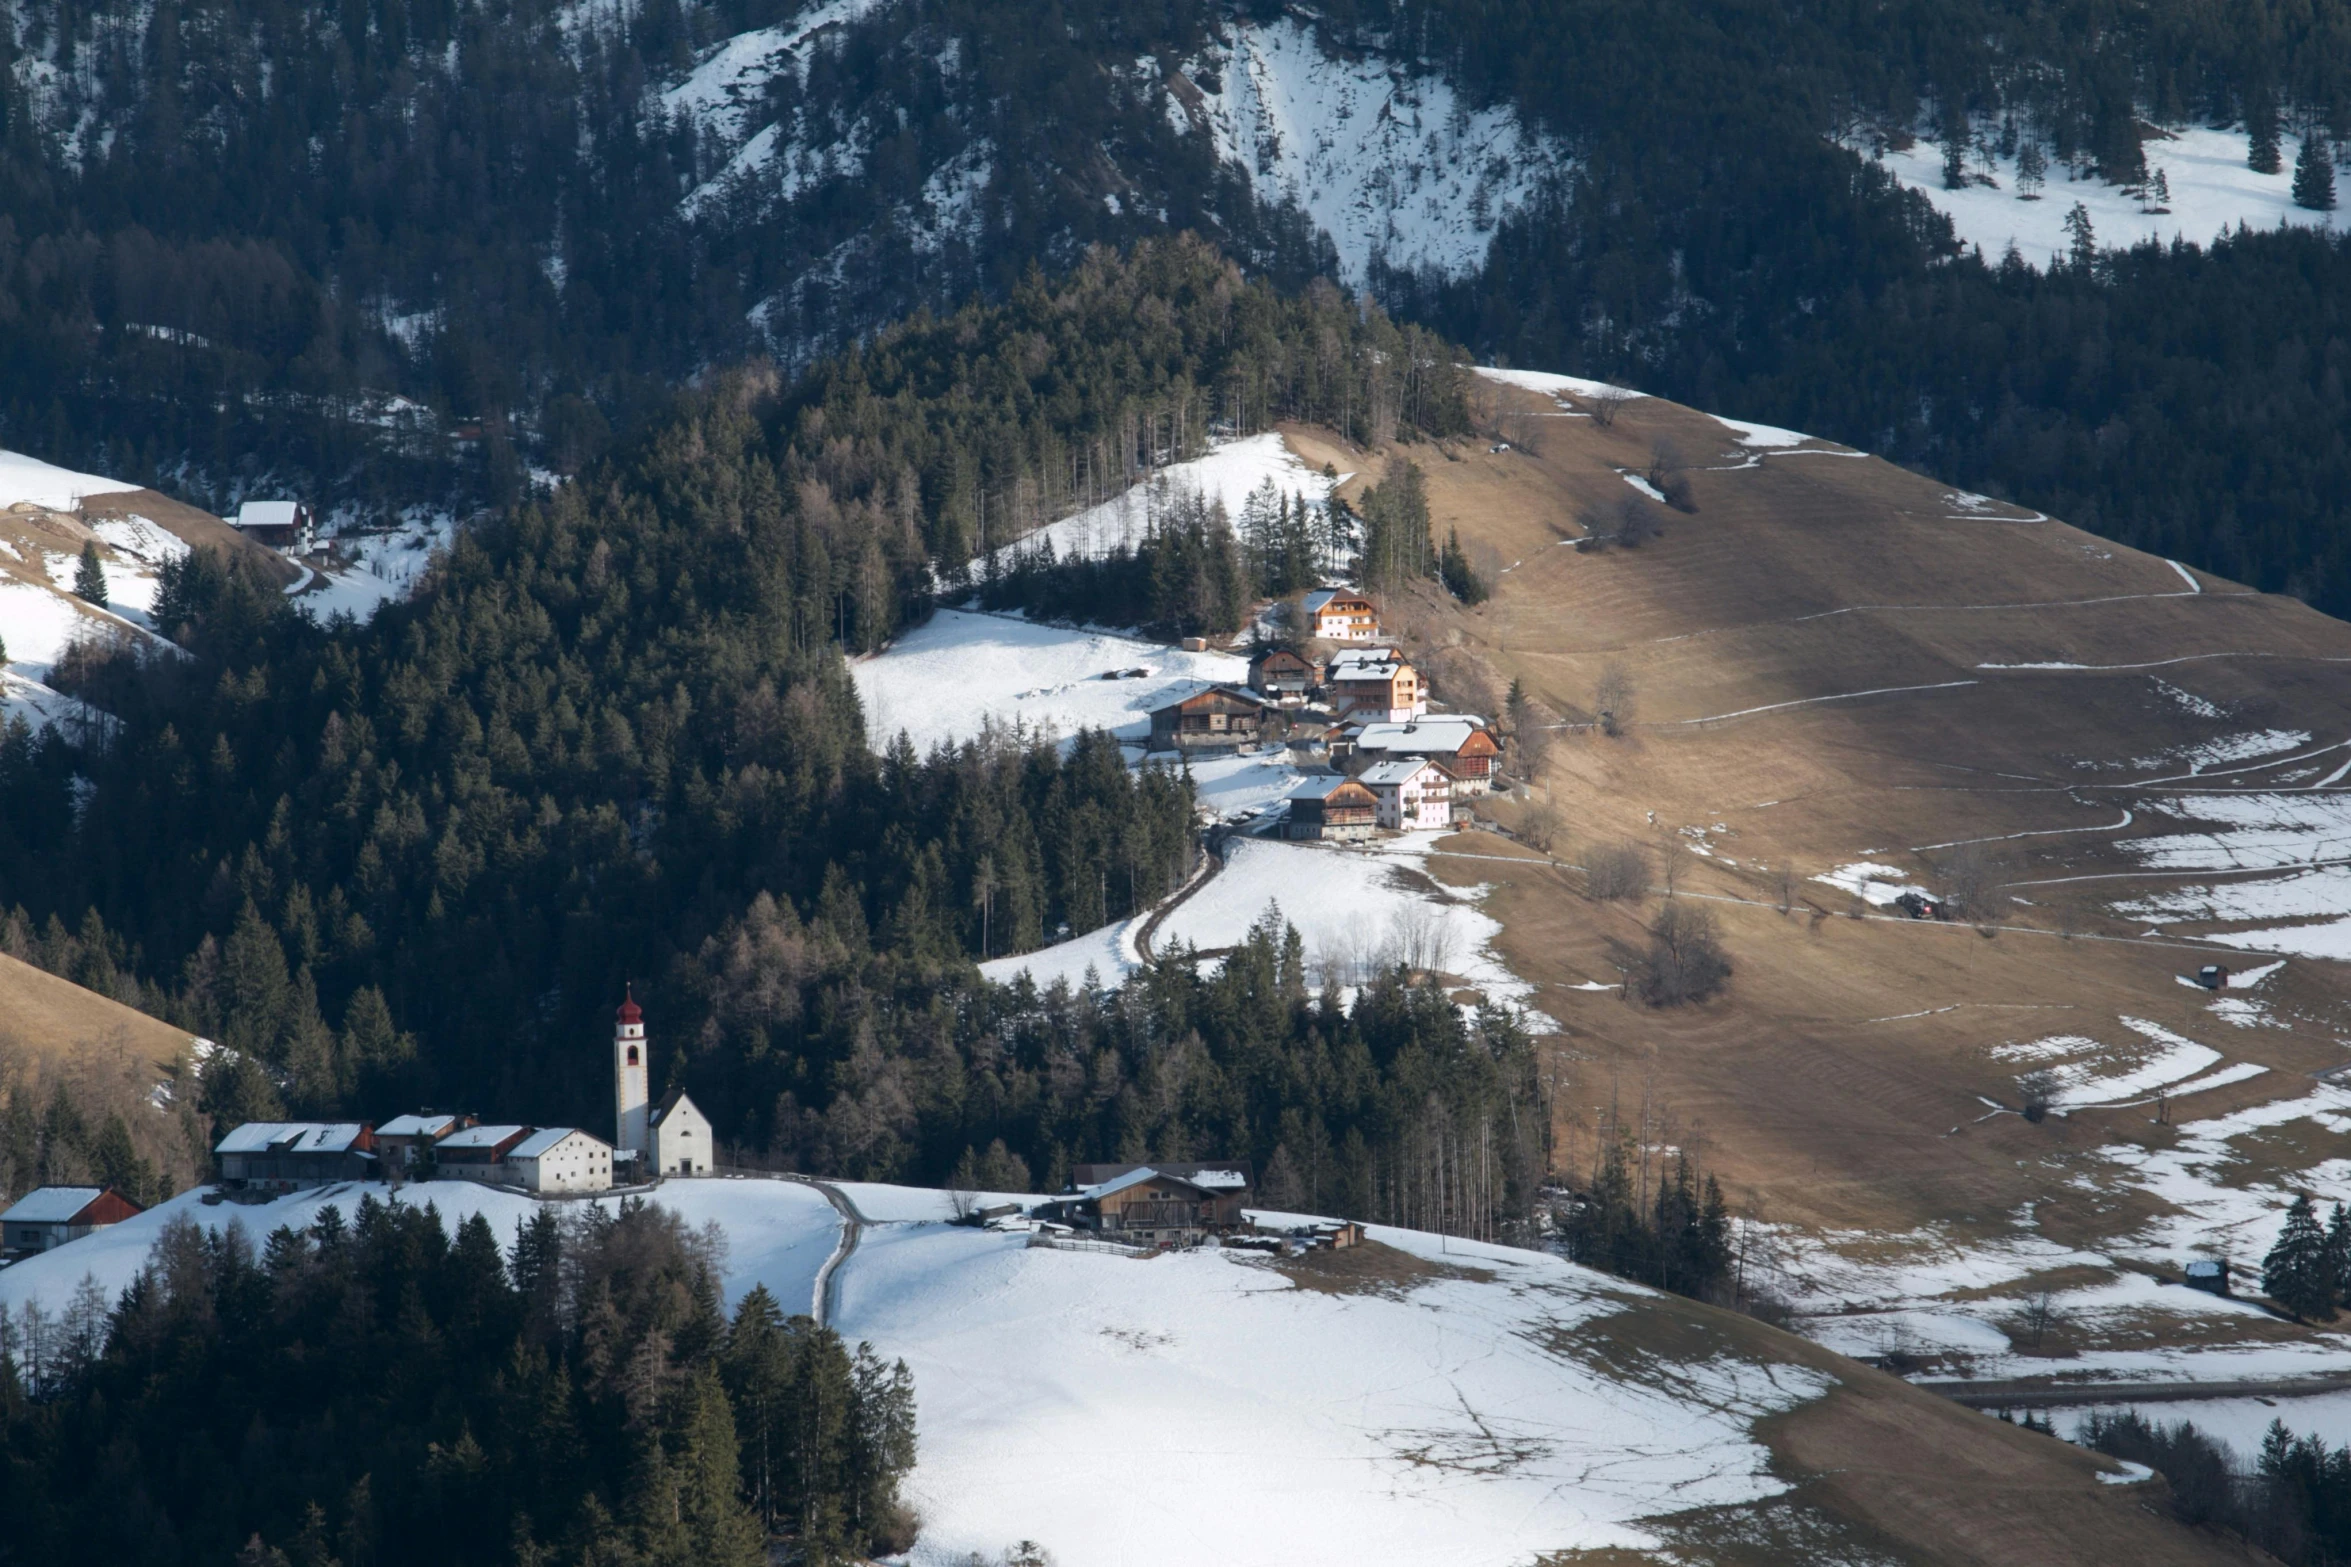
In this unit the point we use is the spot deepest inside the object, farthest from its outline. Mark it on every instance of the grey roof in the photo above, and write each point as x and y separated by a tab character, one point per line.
1318	788
1370	663
267	514
1142	1173
1385	773
481	1137
416	1125
292	1137
51	1204
545	1138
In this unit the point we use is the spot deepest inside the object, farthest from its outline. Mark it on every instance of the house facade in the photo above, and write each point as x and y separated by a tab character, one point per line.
282	525
1285	676
1413	795
405	1143
1340	809
1340	615
286	1156
1466	747
47	1217
478	1153
1377	686
1219	717
1147	1205
560	1159
681	1141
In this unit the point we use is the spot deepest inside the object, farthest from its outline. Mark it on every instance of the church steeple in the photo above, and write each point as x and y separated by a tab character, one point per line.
630	1072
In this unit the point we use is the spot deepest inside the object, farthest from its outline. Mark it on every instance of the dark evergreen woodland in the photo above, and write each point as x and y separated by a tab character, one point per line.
375	1391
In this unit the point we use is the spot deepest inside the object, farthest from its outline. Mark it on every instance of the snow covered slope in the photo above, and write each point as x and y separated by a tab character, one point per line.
1387	159
1414	1402
944	679
2212	191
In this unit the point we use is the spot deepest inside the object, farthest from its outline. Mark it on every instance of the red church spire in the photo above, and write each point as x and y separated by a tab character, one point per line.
630	1012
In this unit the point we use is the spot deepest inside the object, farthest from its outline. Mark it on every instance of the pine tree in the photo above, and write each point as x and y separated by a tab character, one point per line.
89	580
2294	1274
2261	132
2160	192
2081	240
2032	170
2339	1256
2314	175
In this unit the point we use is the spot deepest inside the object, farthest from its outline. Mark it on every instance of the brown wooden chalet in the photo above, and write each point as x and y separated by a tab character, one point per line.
1286	676
1336	808
1153	1205
1221	716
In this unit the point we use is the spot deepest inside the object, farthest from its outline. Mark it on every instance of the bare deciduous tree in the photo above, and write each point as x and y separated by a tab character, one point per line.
1636	522
2040	1315
1538	826
2037	1089
1970	875
1607	403
1613	699
1669	476
1783	887
1615	870
1685	961
1673	858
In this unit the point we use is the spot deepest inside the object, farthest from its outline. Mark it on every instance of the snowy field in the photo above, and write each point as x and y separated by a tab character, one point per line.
1471	1410
2305	834
1229	473
779	1233
2211	191
385	565
942	680
2237	1423
32	481
1454	1423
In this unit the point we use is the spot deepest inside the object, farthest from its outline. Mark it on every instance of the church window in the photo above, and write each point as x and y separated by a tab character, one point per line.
632	1055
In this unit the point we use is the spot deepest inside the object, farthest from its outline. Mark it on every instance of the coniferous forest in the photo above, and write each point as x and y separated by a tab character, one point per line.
614	738
374	1389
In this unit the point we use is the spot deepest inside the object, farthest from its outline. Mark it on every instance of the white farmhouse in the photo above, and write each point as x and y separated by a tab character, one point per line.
560	1159
681	1143
1411	795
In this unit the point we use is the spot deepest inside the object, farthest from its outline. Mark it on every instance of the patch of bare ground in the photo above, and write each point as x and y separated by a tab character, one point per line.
1370	1268
51	1017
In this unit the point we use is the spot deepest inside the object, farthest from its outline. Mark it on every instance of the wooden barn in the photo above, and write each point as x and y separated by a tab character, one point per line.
46	1217
1287	677
286	1156
1332	808
1219	717
1153	1205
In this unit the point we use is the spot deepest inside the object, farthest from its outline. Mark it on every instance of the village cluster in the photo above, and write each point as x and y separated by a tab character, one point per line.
1363	710
1125	1207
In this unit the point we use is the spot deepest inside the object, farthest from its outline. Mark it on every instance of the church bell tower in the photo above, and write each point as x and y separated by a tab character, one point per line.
629	1077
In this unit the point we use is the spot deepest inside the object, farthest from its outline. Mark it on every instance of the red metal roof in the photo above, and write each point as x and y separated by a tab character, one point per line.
630	1012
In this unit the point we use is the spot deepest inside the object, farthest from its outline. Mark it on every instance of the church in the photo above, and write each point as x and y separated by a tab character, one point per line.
669	1138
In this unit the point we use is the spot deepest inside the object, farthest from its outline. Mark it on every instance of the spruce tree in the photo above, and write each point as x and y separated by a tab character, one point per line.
2261	132
2294	1274
2339	1256
89	582
2314	175
2081	239
2032	170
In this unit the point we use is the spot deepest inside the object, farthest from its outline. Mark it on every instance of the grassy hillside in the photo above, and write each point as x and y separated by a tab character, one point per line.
1836	662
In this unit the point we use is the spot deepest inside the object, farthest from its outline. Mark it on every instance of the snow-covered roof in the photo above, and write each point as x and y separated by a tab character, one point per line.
1319	788
1219	1180
1447	734
545	1139
416	1125
481	1136
1389	774
1369	663
292	1137
1138	1176
51	1204
269	514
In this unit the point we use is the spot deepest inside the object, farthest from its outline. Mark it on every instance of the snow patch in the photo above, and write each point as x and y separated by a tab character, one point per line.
2212	191
30	481
1392	164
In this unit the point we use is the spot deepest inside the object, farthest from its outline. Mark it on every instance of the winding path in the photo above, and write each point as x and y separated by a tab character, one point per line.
825	1299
